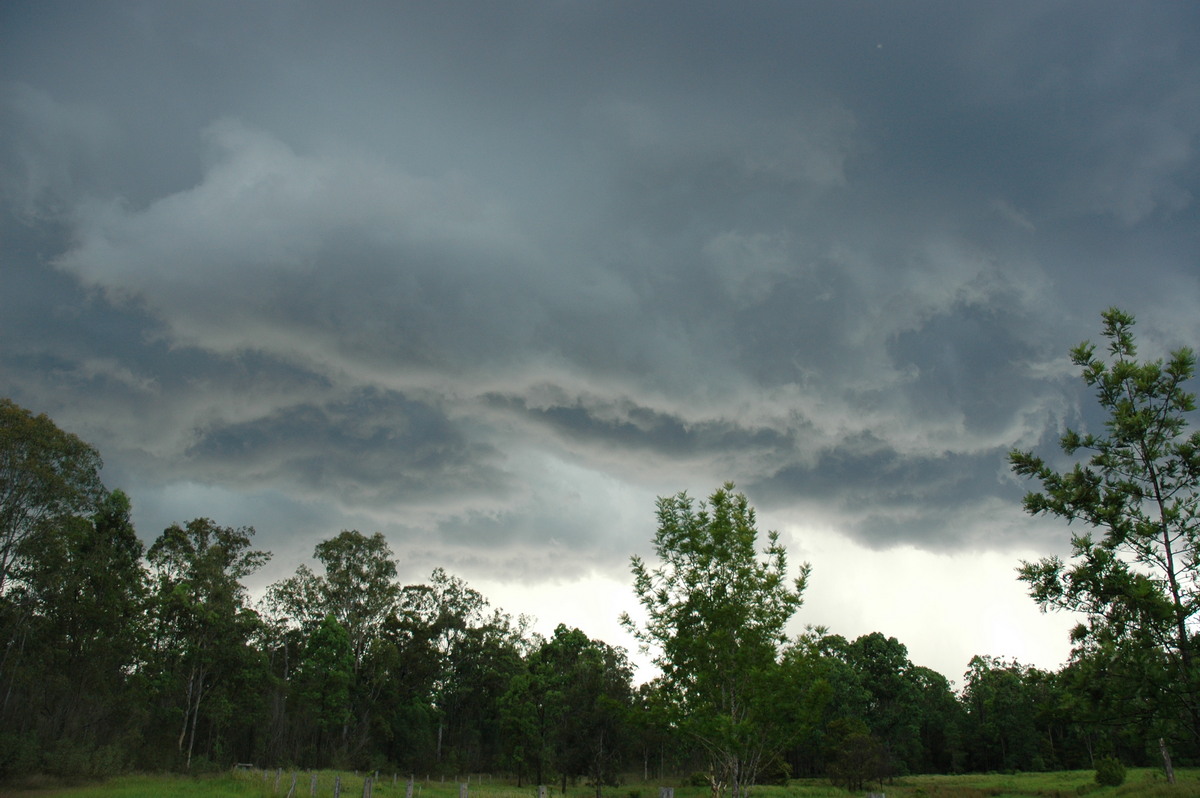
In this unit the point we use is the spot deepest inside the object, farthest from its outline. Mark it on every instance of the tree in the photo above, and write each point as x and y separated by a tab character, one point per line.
80	587
569	706
716	614
893	710
1137	585
201	622
358	588
324	680
1001	715
823	691
465	654
46	476
858	757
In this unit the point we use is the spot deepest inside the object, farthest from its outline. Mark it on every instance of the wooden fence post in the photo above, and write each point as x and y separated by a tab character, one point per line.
292	789
312	785
1166	755
408	788
337	786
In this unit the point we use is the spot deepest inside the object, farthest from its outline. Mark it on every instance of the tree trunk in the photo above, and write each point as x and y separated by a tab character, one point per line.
195	718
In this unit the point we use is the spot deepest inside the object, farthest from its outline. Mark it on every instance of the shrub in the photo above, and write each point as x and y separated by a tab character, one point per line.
776	772
1110	772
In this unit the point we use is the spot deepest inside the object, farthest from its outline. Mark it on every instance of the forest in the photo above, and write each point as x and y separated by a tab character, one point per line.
119	656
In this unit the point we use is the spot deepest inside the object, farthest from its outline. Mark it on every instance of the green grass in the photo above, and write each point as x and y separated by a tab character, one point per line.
1059	784
1139	782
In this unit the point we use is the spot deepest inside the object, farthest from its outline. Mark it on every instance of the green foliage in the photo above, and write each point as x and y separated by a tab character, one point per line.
326	674
1000	698
1138	584
859	759
715	613
569	709
71	582
1110	772
48	476
200	627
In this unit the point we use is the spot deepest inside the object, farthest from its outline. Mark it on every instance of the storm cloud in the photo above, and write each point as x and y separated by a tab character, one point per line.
490	277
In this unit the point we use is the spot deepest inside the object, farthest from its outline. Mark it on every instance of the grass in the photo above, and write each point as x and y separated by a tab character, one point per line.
1058	784
1062	784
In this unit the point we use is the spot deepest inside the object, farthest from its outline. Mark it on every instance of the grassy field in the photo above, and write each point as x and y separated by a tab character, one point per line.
254	785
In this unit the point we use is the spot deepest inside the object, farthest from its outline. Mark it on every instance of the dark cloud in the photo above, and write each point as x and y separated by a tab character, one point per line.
369	449
489	278
623	425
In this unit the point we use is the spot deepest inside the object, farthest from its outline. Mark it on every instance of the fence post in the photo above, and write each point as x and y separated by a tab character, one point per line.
408	788
462	790
292	789
337	786
312	784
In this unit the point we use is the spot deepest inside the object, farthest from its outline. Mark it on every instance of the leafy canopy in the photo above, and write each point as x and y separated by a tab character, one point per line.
716	613
1135	572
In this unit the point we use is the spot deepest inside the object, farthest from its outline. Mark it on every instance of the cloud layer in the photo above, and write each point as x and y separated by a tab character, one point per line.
489	279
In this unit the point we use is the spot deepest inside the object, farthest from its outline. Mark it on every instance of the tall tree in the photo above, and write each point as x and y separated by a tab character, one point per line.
823	693
46	476
569	707
892	710
50	499
358	588
1001	723
324	682
449	641
80	586
1138	584
716	613
202	624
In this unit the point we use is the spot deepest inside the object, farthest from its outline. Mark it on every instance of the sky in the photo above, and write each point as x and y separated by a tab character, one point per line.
489	278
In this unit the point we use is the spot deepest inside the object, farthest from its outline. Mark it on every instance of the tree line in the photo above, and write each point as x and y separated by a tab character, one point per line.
117	655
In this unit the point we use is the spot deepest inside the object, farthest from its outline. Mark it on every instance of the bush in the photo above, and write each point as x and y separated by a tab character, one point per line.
1110	772
777	772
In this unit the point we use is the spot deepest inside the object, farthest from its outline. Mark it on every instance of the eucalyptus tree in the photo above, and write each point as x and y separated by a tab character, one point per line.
568	708
201	624
69	562
358	587
1134	573
46	477
357	592
716	610
81	590
324	680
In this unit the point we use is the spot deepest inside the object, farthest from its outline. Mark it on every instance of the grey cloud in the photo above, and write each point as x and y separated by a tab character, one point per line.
884	498
617	423
447	269
369	449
